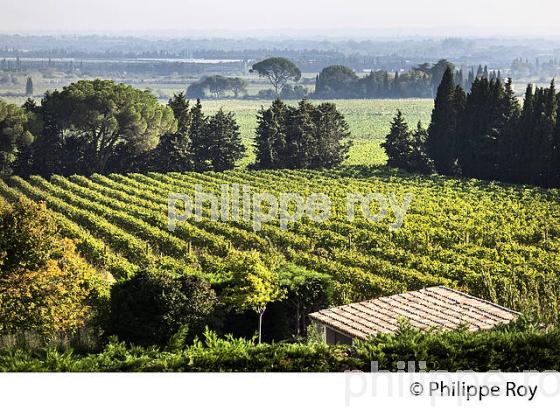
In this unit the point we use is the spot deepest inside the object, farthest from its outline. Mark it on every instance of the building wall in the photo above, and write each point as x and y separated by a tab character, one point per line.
333	337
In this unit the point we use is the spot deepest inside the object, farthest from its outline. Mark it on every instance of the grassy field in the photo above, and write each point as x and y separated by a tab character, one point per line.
369	122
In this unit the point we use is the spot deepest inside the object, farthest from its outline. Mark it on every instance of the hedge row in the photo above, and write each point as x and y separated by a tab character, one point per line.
513	349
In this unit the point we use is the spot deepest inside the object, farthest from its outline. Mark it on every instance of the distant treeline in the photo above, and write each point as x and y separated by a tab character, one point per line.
420	82
115	67
484	134
310	54
539	67
338	82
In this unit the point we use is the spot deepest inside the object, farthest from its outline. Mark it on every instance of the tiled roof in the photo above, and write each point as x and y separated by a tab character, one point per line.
436	307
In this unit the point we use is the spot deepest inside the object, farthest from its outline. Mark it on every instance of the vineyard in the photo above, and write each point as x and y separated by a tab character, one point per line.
499	242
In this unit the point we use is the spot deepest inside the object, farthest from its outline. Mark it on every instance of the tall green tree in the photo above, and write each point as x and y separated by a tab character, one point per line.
526	149
509	112
332	136
397	144
174	152
181	110
278	71
419	160
199	137
406	149
270	138
225	146
555	177
29	87
252	284
14	135
538	125
301	137
101	118
304	137
488	133
442	132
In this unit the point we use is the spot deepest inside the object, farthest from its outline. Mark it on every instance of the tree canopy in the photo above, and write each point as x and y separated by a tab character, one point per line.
99	119
14	135
278	71
336	80
252	285
305	136
406	149
155	304
45	286
217	86
485	134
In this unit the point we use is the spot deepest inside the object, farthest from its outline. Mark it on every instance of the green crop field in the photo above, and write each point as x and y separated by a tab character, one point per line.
499	242
369	122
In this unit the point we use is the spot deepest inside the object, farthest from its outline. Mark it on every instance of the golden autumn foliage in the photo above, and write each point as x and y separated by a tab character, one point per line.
45	286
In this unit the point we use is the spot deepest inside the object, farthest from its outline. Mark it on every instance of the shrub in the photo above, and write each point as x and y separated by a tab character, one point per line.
152	306
46	288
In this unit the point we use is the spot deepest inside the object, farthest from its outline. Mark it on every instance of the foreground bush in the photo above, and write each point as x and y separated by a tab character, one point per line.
152	306
510	349
46	288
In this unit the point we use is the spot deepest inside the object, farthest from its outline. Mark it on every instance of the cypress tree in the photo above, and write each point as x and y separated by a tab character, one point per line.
270	139
459	78
397	144
198	136
301	144
419	160
508	136
479	72
470	81
173	154
304	137
548	131
224	141
442	133
180	106
488	134
479	132
524	136
29	87
406	149
538	127
331	134
555	172
174	151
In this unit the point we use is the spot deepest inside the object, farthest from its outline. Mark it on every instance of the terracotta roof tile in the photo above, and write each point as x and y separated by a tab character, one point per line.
436	307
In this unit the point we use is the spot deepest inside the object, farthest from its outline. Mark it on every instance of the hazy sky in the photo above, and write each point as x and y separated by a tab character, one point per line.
336	17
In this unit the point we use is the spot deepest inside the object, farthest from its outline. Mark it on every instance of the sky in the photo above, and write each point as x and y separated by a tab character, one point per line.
284	17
